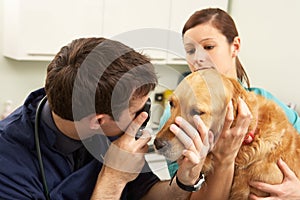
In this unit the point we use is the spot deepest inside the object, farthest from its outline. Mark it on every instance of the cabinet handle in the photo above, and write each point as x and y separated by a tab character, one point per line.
157	59
41	54
179	59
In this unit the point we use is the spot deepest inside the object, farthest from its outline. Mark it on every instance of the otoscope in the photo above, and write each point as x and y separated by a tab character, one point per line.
146	108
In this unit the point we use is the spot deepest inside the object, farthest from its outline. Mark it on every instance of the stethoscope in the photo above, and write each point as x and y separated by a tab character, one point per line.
38	147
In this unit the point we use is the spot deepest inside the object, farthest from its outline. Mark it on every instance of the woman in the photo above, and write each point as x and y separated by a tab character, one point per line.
214	32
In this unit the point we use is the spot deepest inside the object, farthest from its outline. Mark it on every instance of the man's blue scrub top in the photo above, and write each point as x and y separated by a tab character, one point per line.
20	176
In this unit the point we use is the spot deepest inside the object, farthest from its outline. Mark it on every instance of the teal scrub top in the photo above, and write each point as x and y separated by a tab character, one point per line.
291	114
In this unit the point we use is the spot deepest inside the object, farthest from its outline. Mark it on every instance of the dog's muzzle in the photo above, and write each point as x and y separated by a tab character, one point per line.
160	144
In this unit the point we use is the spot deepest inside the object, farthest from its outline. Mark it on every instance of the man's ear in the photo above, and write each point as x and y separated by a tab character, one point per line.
97	120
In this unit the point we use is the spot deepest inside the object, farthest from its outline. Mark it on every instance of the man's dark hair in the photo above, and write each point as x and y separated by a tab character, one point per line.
98	71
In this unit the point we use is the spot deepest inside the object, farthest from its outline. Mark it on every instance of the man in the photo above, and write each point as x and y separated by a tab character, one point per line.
75	138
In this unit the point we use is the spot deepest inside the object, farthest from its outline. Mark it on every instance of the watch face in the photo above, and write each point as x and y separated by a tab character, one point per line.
200	181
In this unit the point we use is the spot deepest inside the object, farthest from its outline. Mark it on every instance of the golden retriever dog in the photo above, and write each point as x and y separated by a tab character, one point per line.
207	93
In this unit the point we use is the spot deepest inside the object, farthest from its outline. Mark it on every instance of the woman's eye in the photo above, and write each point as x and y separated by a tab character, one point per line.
190	51
196	112
209	47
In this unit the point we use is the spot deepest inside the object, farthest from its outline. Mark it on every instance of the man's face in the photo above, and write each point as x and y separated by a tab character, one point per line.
115	128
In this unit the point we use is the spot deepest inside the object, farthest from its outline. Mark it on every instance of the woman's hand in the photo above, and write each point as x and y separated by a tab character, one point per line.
231	138
288	189
197	145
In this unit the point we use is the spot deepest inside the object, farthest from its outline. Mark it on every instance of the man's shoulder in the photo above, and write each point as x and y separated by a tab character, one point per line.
15	151
17	135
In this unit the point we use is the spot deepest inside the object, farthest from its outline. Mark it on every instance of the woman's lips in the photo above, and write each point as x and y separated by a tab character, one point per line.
203	67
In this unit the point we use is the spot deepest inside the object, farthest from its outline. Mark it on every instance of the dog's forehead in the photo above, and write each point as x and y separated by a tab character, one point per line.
206	85
193	83
193	88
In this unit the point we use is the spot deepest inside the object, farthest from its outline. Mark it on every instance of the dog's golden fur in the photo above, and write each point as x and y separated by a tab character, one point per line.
275	137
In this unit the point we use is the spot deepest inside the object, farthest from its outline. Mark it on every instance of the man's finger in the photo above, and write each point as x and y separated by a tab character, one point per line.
135	125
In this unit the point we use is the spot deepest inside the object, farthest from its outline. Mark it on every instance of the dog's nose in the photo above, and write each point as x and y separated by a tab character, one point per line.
159	143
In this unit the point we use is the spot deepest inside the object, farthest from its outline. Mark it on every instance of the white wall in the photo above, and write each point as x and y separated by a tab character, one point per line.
17	79
270	37
269	32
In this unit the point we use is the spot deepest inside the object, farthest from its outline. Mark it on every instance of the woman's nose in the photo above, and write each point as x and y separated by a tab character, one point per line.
197	61
200	60
200	56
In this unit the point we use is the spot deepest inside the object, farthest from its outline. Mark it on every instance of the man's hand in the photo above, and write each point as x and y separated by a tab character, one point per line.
123	161
125	155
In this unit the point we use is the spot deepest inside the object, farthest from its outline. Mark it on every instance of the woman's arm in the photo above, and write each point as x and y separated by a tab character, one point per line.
225	152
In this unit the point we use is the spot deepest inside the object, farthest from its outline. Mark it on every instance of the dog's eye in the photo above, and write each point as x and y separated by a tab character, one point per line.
196	112
171	104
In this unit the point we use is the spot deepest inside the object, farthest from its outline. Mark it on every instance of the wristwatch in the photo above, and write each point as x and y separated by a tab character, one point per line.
190	188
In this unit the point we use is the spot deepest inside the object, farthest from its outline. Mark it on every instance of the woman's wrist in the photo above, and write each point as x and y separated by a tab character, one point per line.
222	161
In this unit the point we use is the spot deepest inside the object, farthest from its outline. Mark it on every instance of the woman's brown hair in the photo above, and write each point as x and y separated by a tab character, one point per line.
225	24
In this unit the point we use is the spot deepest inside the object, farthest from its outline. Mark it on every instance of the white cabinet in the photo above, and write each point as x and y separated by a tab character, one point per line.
134	22
126	15
153	27
35	29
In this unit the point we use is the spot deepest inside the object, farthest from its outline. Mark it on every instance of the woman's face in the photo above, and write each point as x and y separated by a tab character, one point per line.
206	46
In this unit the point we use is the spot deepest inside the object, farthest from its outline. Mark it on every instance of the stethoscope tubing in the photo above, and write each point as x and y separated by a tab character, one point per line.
38	147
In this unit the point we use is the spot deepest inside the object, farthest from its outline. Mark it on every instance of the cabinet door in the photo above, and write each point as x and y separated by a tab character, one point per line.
43	27
180	13
137	24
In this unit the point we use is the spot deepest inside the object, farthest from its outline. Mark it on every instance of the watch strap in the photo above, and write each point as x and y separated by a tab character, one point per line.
192	188
189	188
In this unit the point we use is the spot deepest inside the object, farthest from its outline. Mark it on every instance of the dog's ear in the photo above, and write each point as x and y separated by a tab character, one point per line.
238	91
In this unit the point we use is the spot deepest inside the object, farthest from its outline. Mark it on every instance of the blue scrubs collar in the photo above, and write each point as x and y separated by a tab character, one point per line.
63	143
97	145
